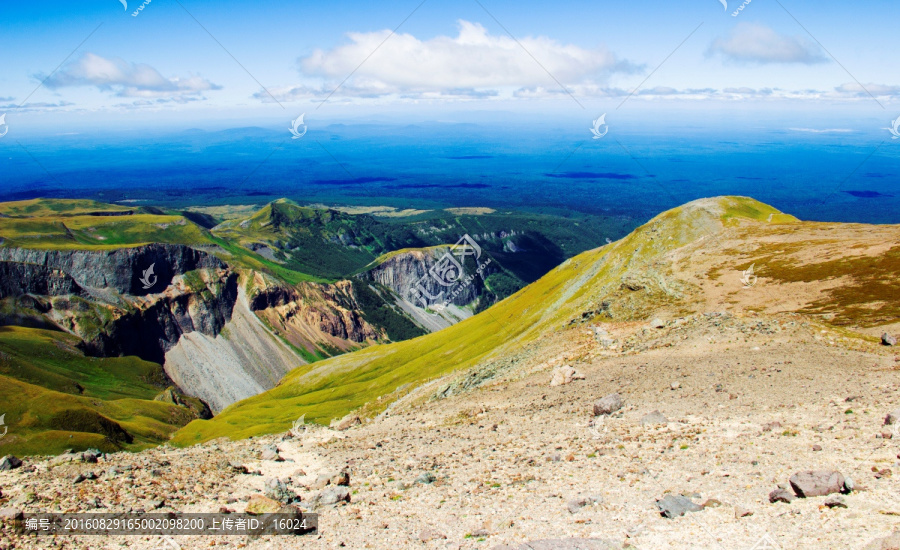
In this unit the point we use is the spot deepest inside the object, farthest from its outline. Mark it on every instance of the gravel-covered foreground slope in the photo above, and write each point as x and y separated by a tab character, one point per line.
719	408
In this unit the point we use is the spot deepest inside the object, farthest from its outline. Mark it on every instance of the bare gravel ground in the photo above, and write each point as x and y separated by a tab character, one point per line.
747	402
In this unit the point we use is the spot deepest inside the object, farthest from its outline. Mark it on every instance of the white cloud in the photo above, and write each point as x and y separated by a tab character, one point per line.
473	64
753	43
854	89
126	79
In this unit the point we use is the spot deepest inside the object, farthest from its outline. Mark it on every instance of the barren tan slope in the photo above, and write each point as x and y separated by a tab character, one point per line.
687	260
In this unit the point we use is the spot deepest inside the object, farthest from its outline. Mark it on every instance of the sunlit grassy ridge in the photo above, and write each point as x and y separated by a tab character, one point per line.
363	379
58	207
50	224
54	397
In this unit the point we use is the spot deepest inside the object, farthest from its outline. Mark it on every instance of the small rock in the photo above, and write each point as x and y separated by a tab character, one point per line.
9	462
888	340
768	427
333	495
259	504
429	534
814	483
673	506
780	495
836	501
816	447
848	485
608	405
675	385
349	422
711	503
481	533
654	418
564	375
10	514
426	478
276	489
741	512
341	477
90	456
658	323
271	453
892	417
581	501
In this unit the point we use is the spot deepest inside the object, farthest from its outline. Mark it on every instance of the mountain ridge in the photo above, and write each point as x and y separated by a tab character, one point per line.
633	279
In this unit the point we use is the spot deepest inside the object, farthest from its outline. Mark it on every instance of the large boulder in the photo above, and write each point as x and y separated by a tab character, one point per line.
608	405
9	462
564	375
888	340
815	483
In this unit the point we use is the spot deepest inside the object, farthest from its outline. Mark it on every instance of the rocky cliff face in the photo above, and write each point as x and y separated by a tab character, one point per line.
307	315
19	279
120	270
189	313
408	275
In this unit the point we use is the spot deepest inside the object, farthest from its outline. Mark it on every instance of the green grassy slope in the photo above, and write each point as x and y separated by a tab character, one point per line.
54	397
365	379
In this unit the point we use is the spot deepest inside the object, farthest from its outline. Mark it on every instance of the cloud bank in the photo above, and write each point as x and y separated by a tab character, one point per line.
125	79
472	64
754	43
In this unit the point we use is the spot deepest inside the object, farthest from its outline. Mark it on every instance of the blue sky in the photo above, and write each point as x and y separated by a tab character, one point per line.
450	60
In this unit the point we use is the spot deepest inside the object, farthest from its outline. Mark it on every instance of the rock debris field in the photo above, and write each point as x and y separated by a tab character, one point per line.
710	431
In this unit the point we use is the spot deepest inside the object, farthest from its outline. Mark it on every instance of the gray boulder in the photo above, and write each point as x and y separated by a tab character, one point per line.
278	490
673	506
608	405
815	483
9	462
888	340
